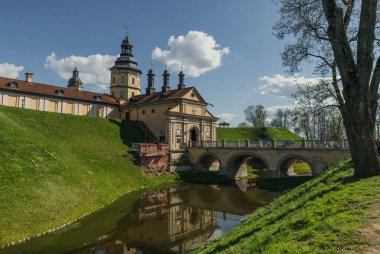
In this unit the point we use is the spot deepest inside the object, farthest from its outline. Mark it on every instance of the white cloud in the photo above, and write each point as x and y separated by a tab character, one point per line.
10	70
93	69
197	52
227	117
272	110
281	86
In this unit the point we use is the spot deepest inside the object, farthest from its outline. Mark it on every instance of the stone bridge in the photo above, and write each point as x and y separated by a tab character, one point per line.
277	157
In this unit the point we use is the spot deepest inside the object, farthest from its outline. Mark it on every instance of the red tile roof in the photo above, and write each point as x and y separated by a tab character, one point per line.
159	96
54	91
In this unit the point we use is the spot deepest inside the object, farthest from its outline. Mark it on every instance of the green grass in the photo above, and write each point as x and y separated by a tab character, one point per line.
322	215
265	133
302	168
55	168
254	173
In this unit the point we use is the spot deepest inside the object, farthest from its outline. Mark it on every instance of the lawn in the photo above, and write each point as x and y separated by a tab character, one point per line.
322	215
55	168
265	133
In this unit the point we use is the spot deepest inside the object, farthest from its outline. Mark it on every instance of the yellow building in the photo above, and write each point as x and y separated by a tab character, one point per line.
67	100
178	116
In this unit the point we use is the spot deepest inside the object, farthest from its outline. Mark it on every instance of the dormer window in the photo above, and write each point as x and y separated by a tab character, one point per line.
59	92
12	84
97	97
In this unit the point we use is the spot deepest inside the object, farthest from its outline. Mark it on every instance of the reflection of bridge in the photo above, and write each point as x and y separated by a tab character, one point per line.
231	158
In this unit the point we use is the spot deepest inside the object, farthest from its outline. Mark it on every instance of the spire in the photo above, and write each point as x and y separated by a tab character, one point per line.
75	81
150	89
166	86
126	60
181	83
75	73
126	47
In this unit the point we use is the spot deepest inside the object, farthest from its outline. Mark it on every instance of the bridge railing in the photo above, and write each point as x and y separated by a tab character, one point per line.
281	144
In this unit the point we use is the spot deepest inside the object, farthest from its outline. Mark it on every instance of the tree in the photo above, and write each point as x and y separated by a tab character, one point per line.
281	119
243	125
340	35
256	115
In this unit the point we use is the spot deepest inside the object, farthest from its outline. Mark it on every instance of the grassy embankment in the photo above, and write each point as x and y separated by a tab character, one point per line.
265	133
55	168
323	215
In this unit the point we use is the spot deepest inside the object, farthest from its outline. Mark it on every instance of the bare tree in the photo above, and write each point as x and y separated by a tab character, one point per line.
339	36
243	125
256	115
281	119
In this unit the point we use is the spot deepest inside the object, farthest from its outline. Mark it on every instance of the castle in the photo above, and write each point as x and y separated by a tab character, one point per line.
178	117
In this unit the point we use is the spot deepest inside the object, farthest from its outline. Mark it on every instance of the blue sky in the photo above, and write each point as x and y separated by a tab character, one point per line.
242	67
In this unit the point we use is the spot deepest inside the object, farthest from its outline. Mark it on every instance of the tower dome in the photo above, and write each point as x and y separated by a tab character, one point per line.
125	75
75	81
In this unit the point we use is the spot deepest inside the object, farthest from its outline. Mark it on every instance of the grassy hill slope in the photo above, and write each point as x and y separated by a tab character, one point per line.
265	133
323	215
55	168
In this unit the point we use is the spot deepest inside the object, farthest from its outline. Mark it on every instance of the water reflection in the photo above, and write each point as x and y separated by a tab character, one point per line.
164	220
175	220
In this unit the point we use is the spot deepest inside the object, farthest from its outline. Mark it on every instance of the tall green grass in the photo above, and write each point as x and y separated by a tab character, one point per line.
323	215
265	133
55	168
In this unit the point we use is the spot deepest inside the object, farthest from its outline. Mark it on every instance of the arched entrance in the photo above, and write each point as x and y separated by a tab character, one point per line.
247	164
295	166
209	162
193	137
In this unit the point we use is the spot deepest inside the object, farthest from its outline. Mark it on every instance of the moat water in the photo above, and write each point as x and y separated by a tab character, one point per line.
164	220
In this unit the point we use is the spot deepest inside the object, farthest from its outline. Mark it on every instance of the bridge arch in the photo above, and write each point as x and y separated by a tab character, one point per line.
209	161
285	164
237	164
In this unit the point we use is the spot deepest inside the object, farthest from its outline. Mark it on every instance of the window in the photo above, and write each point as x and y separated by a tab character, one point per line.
178	132
143	112
122	79
207	134
133	94
133	81
12	84
121	94
153	110
113	80
113	94
192	95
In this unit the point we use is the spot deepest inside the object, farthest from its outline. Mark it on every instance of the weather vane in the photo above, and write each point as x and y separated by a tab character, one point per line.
126	28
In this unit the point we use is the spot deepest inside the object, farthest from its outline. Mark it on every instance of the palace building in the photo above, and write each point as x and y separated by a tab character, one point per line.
178	117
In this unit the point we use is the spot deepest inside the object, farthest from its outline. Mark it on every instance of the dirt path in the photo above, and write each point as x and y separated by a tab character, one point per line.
372	232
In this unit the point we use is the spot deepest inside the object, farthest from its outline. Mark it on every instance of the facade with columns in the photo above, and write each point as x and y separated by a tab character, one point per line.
177	116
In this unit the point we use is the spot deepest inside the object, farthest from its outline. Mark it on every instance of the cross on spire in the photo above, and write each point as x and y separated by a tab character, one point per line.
125	26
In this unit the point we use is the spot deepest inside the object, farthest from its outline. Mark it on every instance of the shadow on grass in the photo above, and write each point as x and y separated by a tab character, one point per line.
129	132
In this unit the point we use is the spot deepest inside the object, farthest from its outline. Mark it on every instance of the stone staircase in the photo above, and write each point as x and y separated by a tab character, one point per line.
149	136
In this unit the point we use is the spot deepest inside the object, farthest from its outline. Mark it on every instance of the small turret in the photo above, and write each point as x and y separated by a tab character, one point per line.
166	86
181	83
150	89
75	81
